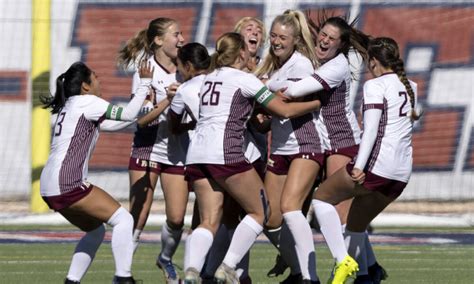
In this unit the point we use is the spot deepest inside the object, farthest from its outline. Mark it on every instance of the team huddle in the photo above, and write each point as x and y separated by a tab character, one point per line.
259	141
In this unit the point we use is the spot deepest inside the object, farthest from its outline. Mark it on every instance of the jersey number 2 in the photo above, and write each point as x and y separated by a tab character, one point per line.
214	94
60	124
403	104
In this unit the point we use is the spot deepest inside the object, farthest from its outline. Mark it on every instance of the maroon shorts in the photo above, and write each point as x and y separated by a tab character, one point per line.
213	171
136	164
388	187
280	164
58	202
261	167
350	152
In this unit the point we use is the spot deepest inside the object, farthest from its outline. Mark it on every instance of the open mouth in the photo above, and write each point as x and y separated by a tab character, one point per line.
277	47
253	41
324	49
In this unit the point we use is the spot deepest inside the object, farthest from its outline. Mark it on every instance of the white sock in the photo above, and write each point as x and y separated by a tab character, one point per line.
355	247
122	241
170	239
369	251
199	244
85	253
244	237
331	228
303	236
287	249
273	236
187	250
217	251
136	239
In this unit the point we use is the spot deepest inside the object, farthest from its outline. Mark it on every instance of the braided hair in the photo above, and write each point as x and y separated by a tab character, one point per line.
386	51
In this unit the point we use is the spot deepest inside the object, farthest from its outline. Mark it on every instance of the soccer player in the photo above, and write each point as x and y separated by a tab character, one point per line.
156	153
81	113
296	153
253	31
337	122
216	160
382	168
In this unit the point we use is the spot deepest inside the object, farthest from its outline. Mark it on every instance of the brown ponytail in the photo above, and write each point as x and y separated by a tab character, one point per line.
386	51
142	45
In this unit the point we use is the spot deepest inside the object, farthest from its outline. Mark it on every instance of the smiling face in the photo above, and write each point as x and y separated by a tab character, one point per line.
328	43
282	41
253	35
171	41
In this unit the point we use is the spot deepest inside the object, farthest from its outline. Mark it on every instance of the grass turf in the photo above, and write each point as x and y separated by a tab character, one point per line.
48	263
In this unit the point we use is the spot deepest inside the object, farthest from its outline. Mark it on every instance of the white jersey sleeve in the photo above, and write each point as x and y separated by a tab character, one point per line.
95	108
177	104
130	111
331	74
253	87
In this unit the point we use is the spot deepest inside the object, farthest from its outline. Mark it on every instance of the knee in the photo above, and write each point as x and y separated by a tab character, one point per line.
288	206
274	220
121	217
175	223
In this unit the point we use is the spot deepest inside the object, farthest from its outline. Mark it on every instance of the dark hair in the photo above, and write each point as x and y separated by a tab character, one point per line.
350	36
228	47
196	54
68	84
143	45
386	51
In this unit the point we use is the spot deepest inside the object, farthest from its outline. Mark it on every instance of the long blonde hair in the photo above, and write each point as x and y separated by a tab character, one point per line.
142	45
297	20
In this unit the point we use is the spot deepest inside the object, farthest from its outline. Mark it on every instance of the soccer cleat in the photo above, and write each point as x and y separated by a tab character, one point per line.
377	273
292	278
226	275
67	281
279	267
168	269
346	268
124	280
191	276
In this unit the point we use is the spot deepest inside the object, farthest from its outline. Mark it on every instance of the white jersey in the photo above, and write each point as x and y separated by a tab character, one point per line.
186	103
75	134
295	135
337	122
226	103
155	142
391	155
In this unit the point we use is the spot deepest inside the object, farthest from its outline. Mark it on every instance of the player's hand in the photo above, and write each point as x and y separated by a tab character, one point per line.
280	93
171	90
358	176
145	70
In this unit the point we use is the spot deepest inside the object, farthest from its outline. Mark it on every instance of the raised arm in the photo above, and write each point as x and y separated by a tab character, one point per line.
130	112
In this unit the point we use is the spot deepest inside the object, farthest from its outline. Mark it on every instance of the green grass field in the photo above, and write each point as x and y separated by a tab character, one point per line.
48	263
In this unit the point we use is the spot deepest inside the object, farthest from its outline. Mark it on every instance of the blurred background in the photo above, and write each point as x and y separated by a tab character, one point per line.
436	39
